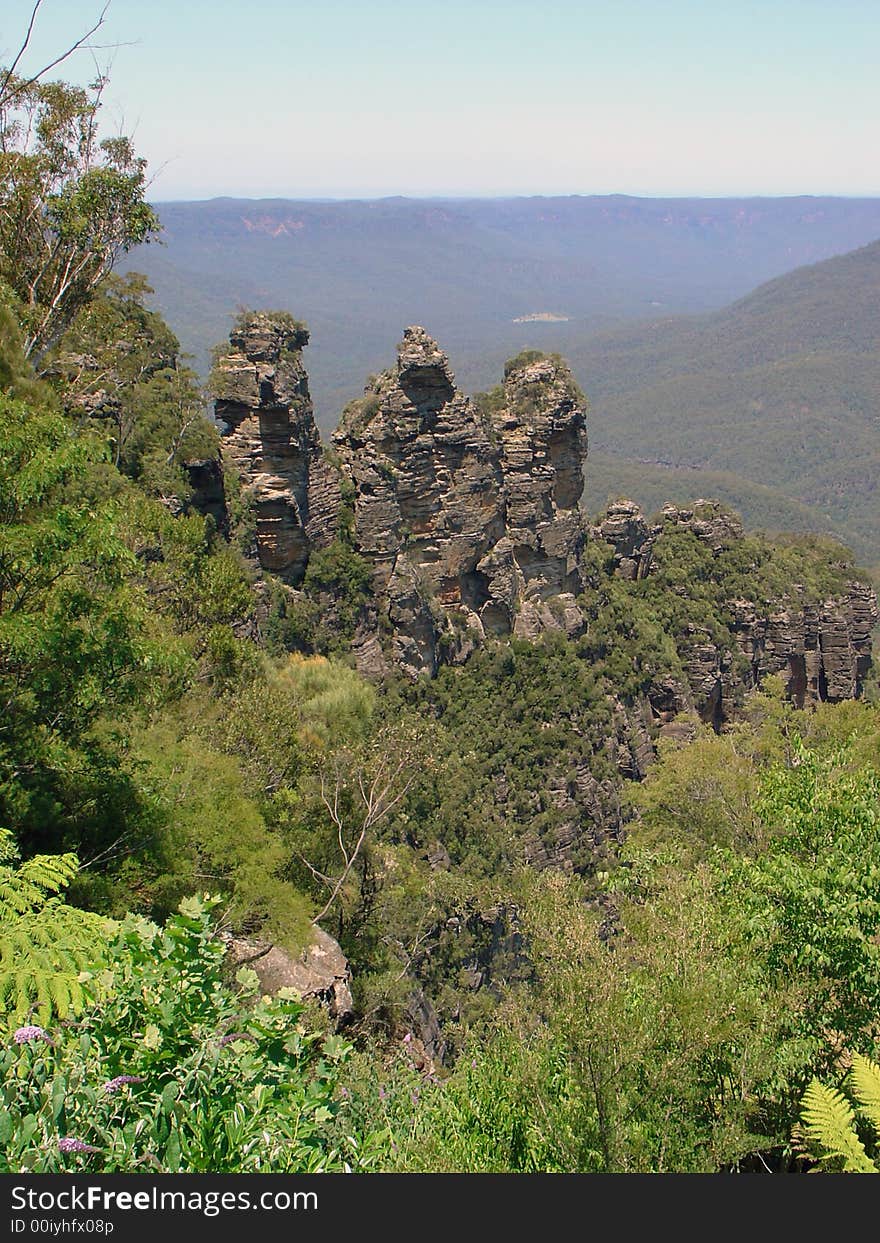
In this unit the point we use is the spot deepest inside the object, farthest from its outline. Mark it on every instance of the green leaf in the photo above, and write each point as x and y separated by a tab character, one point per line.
152	1036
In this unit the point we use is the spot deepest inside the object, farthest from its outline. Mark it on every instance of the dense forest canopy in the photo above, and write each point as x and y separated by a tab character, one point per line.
601	889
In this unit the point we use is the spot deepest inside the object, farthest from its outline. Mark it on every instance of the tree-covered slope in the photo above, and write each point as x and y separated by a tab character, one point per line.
589	810
781	389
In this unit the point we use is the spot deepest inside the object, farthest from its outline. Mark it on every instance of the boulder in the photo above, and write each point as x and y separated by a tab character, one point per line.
319	972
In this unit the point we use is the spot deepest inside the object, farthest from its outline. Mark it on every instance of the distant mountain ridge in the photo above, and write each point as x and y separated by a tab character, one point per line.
357	271
779	391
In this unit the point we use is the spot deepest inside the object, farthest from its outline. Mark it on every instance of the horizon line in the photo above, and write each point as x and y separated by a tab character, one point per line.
501	197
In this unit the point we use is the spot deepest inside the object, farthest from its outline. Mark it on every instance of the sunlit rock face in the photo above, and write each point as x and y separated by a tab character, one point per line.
468	515
270	440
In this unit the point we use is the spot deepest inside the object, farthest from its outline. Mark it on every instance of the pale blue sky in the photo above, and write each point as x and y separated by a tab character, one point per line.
344	99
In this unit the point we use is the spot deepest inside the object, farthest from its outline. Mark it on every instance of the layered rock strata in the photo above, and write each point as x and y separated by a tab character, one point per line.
270	439
821	649
469	516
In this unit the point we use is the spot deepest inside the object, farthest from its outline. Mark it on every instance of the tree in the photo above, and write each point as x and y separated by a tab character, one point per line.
353	790
119	363
8	80
72	631
71	202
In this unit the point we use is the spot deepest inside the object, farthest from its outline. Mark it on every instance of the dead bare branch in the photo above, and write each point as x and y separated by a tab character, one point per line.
9	91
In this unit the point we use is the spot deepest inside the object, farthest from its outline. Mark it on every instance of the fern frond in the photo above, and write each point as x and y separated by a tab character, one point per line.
51	873
44	943
865	1079
829	1122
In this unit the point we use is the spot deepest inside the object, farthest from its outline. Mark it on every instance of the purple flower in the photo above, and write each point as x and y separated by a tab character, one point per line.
24	1035
407	1038
381	1093
113	1085
69	1144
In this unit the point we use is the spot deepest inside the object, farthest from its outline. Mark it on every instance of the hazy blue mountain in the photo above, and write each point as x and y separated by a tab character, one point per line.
359	271
778	392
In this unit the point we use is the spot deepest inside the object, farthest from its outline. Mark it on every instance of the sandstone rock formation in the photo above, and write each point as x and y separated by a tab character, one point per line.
320	972
469	517
623	526
823	650
271	441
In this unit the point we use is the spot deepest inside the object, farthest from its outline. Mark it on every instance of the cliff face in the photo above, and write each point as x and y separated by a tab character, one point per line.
467	514
822	648
271	441
468	517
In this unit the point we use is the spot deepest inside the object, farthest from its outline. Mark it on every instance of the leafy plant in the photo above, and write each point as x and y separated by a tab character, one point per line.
177	1071
45	945
830	1123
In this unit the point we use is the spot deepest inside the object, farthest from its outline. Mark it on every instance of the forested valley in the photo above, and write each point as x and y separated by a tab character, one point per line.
560	830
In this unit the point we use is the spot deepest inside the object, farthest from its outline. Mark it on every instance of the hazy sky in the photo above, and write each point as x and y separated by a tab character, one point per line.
361	98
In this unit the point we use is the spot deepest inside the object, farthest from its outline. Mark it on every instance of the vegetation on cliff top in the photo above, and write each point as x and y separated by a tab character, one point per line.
535	988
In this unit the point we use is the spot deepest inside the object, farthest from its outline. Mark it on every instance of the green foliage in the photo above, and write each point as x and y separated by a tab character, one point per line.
829	1121
292	623
668	1027
700	795
522	360
345	579
73	203
178	1072
16	374
45	945
811	894
512	720
214	833
510	1107
227	776
190	576
119	364
72	636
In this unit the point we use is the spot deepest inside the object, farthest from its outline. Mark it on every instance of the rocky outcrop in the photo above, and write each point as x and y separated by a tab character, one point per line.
709	521
469	516
822	649
623	526
320	972
270	439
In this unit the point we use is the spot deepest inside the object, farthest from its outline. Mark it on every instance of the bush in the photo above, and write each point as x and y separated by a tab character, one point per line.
176	1072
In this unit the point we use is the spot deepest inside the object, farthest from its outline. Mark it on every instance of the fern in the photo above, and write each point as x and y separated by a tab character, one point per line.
829	1121
45	945
865	1080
